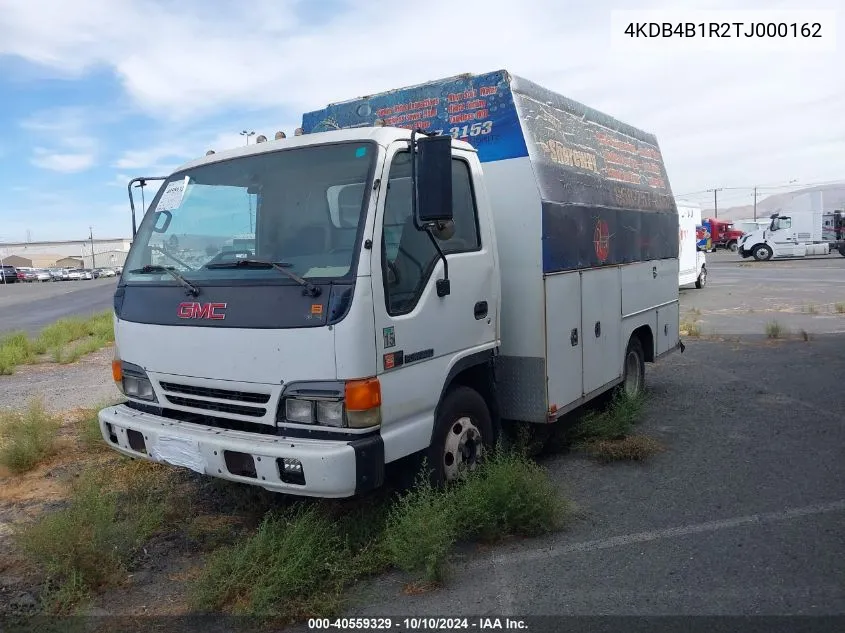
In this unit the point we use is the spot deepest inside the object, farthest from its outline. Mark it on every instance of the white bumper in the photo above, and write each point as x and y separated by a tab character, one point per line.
330	468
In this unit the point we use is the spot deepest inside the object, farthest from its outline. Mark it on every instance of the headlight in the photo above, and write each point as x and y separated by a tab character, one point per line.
299	411
330	413
133	381
353	404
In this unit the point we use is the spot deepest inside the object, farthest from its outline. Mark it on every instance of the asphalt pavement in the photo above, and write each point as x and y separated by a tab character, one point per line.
745	512
32	306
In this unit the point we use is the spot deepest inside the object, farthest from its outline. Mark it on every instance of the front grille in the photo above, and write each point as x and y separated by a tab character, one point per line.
220	394
220	407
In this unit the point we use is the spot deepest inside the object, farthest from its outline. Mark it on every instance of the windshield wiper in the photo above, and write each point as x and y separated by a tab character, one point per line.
191	289
310	288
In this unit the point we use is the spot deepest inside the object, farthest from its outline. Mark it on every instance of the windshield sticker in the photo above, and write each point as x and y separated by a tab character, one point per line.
173	195
360	152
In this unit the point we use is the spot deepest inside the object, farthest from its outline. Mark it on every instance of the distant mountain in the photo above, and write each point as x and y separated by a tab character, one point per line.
833	197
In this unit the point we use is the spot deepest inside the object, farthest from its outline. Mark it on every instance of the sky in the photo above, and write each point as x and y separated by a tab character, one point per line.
96	92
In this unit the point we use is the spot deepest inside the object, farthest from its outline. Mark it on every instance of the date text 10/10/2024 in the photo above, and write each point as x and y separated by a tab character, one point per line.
416	624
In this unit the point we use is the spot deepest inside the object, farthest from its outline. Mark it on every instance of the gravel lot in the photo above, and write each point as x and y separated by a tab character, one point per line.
87	383
742	515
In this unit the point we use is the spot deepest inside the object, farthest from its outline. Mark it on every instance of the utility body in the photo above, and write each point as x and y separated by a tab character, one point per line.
692	261
360	292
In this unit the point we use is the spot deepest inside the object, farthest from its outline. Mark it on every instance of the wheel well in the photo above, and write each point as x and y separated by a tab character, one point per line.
647	340
480	378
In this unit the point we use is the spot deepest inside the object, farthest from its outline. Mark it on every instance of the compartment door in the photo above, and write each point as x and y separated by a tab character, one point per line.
563	339
601	316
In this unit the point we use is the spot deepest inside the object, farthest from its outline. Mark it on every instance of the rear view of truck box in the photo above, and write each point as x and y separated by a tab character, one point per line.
586	229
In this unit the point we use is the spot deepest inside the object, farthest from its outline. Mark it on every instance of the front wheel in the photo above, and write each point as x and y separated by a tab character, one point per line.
762	253
733	246
702	279
463	431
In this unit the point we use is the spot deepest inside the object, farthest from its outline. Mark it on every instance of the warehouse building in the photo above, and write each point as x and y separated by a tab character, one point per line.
96	253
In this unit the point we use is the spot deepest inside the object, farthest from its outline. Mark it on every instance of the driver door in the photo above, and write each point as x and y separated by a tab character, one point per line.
419	335
783	237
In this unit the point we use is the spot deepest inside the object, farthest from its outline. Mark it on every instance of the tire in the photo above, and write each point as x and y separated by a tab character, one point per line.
702	278
733	246
762	253
633	369
463	432
842	250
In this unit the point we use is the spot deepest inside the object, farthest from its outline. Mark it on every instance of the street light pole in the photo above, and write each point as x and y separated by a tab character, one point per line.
91	235
247	135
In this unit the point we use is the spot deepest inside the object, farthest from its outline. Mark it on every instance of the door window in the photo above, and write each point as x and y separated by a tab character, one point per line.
409	254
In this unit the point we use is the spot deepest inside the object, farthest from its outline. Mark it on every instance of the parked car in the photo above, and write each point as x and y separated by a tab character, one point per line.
55	274
86	274
107	272
74	274
8	274
43	274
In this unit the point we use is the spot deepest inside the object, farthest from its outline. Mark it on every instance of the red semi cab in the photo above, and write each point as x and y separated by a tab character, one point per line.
723	234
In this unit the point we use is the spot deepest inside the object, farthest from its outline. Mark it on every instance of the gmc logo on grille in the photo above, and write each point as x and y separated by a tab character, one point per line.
194	310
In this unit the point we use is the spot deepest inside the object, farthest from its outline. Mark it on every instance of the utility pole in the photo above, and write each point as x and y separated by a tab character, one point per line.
91	235
715	202
755	204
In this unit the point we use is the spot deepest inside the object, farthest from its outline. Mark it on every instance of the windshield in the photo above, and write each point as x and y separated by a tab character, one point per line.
301	208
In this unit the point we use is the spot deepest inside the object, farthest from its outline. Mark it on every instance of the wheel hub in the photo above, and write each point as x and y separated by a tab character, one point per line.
463	448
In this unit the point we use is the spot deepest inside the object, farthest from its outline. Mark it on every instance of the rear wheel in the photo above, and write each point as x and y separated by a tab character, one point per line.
463	432
762	253
702	278
633	377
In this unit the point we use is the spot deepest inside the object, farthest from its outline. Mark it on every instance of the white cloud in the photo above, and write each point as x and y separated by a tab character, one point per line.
67	163
721	119
64	144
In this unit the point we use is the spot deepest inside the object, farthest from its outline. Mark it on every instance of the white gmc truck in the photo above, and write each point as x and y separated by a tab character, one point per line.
399	292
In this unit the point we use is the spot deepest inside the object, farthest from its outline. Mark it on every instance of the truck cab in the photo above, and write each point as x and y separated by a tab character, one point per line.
779	239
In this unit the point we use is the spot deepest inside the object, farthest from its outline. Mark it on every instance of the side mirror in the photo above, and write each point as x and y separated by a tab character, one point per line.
433	163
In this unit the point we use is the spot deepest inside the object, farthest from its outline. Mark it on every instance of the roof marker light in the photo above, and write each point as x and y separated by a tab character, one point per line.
209	152
280	135
298	131
261	138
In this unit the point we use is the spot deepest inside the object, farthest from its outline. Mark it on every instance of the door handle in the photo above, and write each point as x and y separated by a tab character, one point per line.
573	337
654	272
480	310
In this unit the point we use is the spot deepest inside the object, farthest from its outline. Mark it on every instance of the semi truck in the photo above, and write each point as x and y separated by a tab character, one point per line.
799	234
723	233
692	261
431	265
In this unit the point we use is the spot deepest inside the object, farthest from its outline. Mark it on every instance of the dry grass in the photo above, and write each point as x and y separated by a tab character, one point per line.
28	437
65	341
629	448
774	330
690	327
840	308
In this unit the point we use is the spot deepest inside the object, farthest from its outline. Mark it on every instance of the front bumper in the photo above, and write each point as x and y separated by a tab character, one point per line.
330	468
